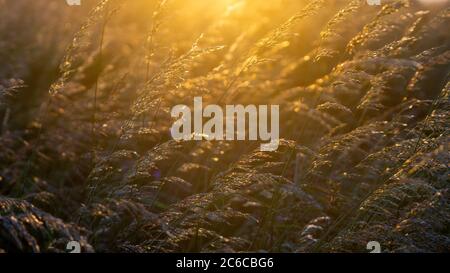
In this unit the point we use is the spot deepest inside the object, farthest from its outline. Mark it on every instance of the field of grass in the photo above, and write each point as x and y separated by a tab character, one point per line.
86	152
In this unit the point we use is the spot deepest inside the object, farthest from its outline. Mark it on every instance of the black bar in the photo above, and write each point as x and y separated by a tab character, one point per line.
248	262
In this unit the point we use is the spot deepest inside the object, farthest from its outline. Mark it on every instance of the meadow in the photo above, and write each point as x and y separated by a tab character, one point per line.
86	152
